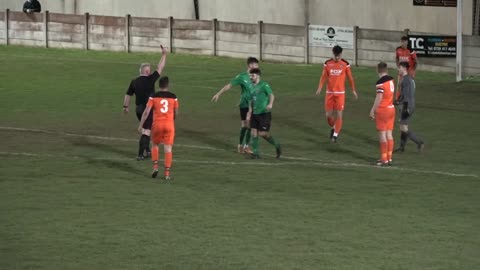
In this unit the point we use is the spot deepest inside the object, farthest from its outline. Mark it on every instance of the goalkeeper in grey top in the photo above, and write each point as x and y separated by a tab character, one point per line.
406	103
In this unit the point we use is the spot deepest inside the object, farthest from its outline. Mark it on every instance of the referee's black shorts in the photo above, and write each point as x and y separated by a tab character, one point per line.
139	111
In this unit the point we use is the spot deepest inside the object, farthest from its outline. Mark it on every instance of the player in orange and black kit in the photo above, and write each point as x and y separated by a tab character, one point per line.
383	112
165	108
404	54
335	71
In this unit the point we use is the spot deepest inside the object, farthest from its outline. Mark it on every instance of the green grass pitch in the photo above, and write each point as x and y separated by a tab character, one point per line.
73	197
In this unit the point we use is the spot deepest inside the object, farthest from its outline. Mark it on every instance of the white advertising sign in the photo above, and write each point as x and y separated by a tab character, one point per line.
329	36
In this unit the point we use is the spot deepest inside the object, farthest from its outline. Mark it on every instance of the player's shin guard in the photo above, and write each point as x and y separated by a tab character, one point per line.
384	151
168	163
338	126
390	145
272	141
243	132
255	145
155	153
248	136
331	121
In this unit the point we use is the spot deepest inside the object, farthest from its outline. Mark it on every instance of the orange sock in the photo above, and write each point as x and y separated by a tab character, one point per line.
338	125
331	121
168	163
155	157
390	144
155	153
383	151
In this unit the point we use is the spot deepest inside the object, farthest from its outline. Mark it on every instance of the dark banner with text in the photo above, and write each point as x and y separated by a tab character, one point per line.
433	46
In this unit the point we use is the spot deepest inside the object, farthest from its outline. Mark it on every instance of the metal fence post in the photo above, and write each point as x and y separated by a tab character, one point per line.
7	15
355	45
170	33
87	16
259	39
127	33
214	37
45	27
306	46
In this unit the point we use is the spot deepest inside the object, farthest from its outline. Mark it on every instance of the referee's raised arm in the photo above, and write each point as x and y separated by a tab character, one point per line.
163	60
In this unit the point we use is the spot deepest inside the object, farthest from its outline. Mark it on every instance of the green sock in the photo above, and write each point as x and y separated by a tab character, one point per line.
248	136
243	131
255	145
272	141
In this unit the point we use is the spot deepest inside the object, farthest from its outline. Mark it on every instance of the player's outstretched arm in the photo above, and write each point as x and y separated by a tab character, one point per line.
216	97
163	60
145	114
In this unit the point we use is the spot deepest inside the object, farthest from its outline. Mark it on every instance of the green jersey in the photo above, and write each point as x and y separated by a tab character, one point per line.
243	79
261	97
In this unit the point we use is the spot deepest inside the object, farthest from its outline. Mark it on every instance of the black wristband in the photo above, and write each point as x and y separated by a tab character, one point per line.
125	107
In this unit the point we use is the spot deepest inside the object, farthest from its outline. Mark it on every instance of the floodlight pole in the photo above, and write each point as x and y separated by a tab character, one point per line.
459	64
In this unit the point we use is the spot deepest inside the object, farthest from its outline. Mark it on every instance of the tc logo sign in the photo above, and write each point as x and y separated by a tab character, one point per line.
416	43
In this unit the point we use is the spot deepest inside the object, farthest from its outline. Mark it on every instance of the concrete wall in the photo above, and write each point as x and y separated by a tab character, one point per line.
291	12
273	42
394	15
471	52
374	46
284	43
141	8
237	39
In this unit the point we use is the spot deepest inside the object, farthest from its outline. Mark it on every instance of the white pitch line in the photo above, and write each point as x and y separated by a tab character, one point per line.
95	137
296	160
248	163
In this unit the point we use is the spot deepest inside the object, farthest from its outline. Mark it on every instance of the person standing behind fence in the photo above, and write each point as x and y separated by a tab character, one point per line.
143	87
404	55
31	6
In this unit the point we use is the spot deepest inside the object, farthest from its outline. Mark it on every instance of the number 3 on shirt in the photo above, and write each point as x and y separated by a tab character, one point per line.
164	109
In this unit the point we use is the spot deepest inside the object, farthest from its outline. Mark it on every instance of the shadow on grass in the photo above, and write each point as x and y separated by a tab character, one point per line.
85	143
367	139
205	138
337	149
116	165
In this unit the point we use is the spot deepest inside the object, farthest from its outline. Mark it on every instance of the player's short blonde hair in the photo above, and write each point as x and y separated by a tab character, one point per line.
142	67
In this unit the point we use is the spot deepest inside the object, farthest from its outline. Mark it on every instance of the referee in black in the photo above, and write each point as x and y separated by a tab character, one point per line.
143	87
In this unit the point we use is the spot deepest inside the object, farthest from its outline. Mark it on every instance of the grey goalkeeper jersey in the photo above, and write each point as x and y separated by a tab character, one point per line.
407	93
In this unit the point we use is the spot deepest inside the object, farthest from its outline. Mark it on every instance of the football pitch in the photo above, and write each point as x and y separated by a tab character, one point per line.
74	197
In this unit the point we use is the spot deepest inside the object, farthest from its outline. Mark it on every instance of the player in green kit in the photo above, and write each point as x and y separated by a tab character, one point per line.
260	113
243	80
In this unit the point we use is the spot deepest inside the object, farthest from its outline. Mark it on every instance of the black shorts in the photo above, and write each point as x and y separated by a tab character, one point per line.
261	122
243	113
139	111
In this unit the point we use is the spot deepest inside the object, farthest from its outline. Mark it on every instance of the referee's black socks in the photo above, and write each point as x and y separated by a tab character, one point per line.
143	144
403	139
